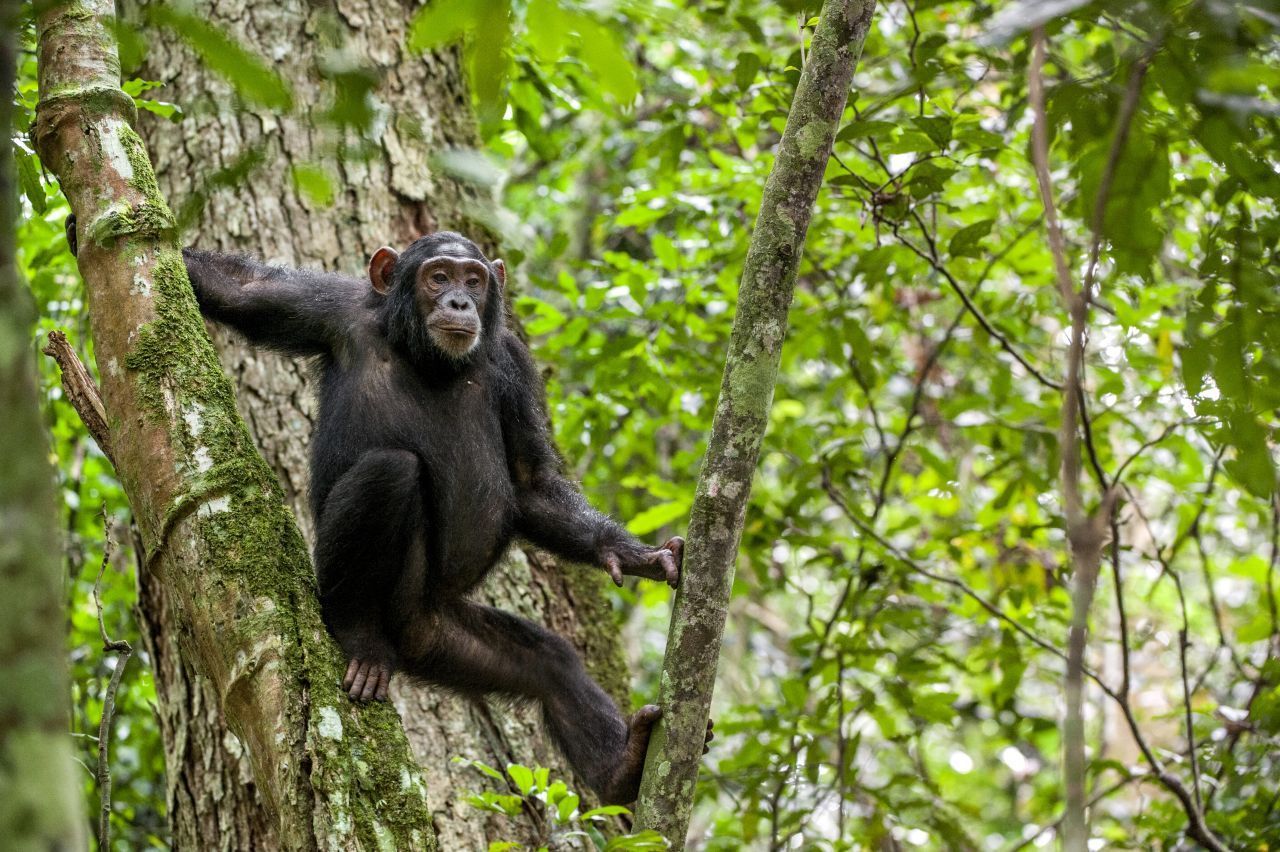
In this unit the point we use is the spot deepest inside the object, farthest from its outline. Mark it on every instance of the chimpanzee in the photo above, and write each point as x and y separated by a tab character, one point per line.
430	454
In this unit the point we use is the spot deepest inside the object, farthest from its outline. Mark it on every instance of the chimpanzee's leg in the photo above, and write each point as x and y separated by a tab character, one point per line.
478	650
369	532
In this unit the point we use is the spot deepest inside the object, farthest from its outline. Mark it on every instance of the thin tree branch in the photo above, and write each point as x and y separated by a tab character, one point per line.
124	651
81	391
1084	533
934	260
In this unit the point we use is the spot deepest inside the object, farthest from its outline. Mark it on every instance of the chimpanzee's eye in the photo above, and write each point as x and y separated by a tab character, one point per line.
440	278
473	282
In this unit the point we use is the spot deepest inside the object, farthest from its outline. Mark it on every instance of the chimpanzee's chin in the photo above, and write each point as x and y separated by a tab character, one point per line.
454	344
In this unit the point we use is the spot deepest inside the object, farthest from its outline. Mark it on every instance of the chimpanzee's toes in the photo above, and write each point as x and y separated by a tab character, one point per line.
643	720
625	784
69	227
350	676
711	735
366	681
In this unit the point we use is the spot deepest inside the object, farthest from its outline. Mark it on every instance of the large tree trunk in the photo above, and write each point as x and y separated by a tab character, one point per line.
388	199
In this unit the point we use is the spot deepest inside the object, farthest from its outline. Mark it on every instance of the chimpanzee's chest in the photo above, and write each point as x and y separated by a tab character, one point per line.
456	432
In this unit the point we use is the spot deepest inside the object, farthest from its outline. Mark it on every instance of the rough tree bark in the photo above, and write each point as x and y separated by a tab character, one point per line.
742	413
238	585
39	799
389	198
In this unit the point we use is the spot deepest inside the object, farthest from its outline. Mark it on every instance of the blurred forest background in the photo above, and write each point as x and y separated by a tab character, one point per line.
893	670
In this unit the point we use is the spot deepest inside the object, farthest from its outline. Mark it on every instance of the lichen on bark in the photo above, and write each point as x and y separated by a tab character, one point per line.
746	393
210	510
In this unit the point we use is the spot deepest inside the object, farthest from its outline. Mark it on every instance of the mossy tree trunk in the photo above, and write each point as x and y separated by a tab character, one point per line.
222	544
39	795
742	413
390	197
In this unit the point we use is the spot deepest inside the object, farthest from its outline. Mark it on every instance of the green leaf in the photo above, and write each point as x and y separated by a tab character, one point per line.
908	142
523	776
644	841
606	811
602	53
936	127
658	516
480	767
548	29
164	109
566	807
252	78
967	242
862	129
443	22
1139	184
489	57
314	183
639	215
744	72
28	166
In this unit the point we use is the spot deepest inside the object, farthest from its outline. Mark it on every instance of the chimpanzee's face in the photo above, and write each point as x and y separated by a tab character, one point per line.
441	297
451	291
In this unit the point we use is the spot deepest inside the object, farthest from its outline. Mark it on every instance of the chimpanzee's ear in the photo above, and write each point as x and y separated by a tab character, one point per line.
380	266
500	270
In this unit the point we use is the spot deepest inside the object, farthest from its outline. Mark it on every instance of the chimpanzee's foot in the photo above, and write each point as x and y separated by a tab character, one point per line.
367	679
625	786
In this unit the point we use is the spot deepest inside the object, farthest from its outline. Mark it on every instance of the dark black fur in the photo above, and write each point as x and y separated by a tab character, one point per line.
424	467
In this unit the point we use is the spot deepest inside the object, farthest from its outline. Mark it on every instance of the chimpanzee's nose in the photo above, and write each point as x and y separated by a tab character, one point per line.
458	302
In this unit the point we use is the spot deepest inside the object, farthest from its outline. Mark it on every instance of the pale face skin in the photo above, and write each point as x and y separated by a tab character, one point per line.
451	293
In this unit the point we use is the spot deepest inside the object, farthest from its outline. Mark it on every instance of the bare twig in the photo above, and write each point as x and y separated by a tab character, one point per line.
933	258
81	390
1271	568
124	651
1084	534
1183	642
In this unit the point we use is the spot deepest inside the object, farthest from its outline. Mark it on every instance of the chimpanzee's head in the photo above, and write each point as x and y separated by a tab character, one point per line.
442	296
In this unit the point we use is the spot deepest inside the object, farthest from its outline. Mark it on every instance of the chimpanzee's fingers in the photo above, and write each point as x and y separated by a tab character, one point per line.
384	679
670	567
676	545
352	667
357	685
614	567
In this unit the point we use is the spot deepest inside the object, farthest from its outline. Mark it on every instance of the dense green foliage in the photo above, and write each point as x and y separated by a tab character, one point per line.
892	672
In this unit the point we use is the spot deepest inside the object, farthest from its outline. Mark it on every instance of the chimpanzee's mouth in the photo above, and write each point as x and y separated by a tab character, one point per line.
457	329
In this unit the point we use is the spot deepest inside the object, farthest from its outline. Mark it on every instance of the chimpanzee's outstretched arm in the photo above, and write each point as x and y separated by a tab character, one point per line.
292	310
550	511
